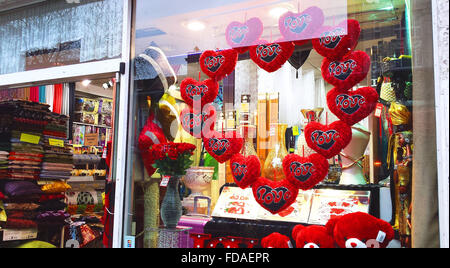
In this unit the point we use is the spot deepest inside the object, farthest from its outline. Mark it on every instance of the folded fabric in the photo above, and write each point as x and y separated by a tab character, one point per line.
47	197
55	187
22	214
2	196
52	217
51	205
20	206
21	188
20	224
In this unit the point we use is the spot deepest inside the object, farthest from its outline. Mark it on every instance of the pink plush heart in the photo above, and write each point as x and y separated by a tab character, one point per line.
217	65
271	56
328	140
301	26
305	172
335	42
222	146
198	123
203	92
274	196
347	71
241	36
352	106
245	170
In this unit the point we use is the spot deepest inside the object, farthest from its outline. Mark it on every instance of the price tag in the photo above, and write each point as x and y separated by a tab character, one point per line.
56	142
12	235
378	110
34	139
164	181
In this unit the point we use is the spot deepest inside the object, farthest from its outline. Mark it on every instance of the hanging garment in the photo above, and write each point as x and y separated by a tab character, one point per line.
34	94
42	98
49	96
57	100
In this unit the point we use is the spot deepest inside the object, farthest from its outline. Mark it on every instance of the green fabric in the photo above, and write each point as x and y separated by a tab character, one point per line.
36	244
211	162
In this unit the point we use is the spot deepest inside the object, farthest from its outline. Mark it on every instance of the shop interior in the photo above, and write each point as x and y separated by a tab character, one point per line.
54	163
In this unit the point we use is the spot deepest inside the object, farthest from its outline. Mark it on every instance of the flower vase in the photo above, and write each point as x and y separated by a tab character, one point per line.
273	166
171	208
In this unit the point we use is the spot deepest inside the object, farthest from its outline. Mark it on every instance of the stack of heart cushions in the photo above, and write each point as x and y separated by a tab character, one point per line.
342	67
24	151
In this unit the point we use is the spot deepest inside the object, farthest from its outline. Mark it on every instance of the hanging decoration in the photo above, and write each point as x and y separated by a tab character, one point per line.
199	123
274	196
305	172
217	65
347	71
223	145
203	92
299	58
240	36
328	140
352	106
301	26
335	42
245	170
271	56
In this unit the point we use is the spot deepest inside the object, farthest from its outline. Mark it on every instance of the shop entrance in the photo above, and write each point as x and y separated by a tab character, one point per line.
56	151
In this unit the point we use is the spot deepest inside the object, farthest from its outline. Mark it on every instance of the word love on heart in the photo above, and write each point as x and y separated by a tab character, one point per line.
354	105
328	140
274	196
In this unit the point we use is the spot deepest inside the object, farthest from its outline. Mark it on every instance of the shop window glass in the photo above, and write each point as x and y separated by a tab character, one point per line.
56	33
271	106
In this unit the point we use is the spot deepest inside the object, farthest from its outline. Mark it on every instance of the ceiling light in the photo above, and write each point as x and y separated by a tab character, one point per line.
195	26
277	12
86	83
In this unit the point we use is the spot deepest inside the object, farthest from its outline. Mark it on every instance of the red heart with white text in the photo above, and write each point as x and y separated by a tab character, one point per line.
198	123
240	36
271	57
217	65
274	196
347	71
223	145
193	91
301	26
335	42
352	106
245	170
305	172
328	140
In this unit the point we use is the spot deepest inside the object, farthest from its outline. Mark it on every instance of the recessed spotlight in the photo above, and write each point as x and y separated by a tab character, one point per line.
86	83
276	12
195	26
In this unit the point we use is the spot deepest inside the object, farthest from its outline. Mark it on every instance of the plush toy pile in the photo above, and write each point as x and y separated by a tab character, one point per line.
354	230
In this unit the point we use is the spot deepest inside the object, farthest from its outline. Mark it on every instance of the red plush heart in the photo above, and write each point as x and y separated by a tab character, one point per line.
301	26
333	43
271	57
305	172
352	106
328	140
274	196
217	65
240	36
198	123
245	170
222	146
347	71
203	92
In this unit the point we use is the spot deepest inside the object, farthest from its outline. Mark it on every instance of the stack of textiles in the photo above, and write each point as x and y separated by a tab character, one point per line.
21	137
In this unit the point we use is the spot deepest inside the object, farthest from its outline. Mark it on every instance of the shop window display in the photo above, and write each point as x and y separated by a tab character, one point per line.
307	124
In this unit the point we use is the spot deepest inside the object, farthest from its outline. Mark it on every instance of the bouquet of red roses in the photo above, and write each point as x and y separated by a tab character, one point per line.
173	159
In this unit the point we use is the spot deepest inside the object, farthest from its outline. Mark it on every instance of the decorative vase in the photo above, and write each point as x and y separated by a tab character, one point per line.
248	132
310	115
198	179
171	208
273	166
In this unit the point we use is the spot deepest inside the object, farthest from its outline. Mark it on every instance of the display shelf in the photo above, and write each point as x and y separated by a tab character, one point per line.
91	125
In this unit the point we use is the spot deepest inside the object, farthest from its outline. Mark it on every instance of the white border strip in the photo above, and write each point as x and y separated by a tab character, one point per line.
442	133
121	135
75	71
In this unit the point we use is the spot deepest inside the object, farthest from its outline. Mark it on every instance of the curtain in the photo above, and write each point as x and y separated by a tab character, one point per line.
96	25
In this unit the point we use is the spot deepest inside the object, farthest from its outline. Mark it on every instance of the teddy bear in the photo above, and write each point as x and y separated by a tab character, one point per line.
360	230
276	240
313	236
